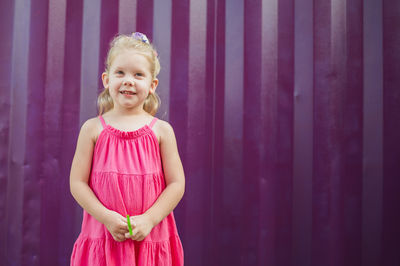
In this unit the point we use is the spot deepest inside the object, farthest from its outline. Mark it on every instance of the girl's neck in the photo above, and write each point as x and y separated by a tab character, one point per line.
127	121
127	112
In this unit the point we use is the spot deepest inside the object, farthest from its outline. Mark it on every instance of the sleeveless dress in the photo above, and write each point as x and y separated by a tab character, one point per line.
127	177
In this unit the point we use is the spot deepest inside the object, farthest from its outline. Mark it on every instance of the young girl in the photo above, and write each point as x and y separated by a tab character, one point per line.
127	163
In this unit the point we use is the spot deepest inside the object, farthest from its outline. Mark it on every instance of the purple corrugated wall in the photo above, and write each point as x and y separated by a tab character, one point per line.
287	115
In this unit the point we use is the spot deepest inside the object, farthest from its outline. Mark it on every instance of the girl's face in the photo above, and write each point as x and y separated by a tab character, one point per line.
129	80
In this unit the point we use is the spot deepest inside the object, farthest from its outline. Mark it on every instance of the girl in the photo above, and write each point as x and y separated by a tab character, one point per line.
127	163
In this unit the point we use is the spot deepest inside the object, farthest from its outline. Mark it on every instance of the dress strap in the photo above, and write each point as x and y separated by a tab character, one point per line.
153	122
102	121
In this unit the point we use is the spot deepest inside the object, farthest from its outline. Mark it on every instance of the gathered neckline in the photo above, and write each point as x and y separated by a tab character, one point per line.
128	134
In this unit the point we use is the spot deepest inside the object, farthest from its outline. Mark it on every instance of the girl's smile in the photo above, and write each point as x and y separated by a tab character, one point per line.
127	93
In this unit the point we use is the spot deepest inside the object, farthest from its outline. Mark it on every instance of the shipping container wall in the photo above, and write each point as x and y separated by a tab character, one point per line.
286	113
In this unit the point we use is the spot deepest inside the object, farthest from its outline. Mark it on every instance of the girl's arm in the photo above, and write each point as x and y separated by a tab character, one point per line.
174	175
79	178
175	185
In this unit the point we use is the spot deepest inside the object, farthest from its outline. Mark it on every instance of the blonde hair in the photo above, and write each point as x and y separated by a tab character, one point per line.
124	42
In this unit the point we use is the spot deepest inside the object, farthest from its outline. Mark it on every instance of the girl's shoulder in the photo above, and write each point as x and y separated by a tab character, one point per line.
162	126
163	130
92	128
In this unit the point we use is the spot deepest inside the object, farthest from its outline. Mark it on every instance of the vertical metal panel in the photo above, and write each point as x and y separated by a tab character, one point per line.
52	148
196	157
178	101
372	134
391	133
303	132
71	96
286	115
215	85
162	41
269	118
17	142
6	29
91	63
229	214
284	132
144	18
252	132
352	128
325	162
127	16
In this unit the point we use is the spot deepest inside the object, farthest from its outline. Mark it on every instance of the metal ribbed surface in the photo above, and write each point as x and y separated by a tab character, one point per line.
287	116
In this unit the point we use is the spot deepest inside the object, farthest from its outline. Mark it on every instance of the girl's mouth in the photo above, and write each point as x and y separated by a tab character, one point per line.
127	92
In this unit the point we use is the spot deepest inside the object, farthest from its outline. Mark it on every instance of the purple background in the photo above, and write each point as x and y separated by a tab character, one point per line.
287	115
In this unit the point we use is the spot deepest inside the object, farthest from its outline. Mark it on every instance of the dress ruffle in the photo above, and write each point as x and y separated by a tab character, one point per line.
106	251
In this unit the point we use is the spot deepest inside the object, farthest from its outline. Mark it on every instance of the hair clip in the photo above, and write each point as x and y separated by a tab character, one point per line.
141	37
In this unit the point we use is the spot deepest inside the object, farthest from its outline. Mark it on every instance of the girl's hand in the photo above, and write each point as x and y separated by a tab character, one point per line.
116	224
141	227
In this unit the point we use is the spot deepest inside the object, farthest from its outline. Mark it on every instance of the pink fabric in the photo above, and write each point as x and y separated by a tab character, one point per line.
127	177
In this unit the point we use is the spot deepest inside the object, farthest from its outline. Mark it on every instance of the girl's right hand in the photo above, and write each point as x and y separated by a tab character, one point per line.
116	224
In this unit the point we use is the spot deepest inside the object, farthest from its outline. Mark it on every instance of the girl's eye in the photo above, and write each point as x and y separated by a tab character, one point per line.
139	74
120	72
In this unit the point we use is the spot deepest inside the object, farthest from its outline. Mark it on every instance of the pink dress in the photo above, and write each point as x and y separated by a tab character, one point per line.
127	177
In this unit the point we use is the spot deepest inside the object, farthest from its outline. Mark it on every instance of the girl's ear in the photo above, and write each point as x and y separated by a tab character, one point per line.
105	79
153	86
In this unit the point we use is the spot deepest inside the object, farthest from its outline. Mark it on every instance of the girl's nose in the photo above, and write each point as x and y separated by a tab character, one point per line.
128	83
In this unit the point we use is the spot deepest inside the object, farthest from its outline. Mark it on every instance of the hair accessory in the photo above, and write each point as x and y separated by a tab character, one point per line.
141	37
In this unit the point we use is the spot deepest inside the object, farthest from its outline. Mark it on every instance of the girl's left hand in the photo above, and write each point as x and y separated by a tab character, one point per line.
141	227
